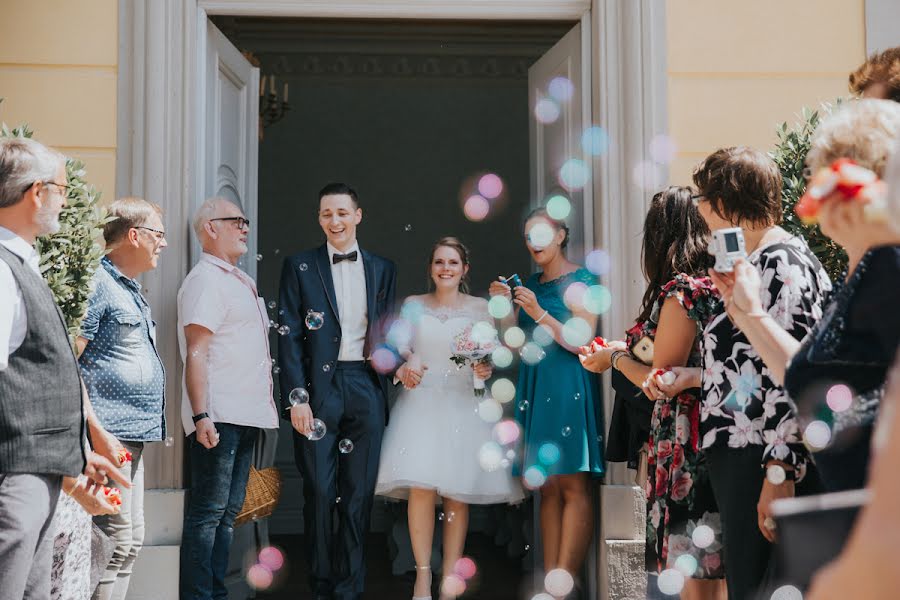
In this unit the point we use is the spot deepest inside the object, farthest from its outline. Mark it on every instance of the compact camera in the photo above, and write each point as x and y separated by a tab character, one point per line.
727	245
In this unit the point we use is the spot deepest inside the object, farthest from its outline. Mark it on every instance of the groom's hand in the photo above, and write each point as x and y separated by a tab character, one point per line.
302	418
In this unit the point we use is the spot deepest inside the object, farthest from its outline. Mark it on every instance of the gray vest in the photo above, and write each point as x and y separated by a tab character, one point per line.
41	417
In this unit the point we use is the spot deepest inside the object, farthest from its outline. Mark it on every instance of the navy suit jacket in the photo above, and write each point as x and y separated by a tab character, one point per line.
307	358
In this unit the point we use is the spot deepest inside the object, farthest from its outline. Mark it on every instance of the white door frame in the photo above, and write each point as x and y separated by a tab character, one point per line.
158	149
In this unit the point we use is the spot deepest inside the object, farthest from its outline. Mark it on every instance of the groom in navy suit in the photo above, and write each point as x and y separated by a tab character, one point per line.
334	298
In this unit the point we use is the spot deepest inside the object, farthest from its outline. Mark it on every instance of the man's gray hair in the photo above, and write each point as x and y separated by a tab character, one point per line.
22	162
208	210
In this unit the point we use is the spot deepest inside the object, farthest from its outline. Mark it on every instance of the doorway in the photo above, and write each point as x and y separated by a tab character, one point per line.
412	114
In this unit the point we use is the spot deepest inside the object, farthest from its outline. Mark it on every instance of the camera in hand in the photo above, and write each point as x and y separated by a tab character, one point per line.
727	245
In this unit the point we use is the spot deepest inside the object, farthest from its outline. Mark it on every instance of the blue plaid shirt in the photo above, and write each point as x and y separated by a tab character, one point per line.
120	365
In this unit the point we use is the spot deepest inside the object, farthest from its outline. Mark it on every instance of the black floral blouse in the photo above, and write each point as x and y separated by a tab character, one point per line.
741	405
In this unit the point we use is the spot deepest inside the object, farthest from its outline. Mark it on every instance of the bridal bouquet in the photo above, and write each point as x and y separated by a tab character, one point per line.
472	346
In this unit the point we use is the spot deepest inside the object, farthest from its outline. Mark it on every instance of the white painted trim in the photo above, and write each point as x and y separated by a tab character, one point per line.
882	25
553	10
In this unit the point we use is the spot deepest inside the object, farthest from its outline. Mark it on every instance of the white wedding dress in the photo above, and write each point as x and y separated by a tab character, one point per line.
435	433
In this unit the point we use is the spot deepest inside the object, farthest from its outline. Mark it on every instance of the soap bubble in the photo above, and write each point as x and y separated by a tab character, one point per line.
303	266
566	431
272	558
318	430
383	360
817	434
259	577
561	89
465	568
407	228
559	207
548	454
345	446
490	410
577	332
546	111
259	257
514	337
490	455
272	304
490	186
787	592
476	208
670	582
559	582
703	536
284	330
776	474
314	320
507	432
503	390
663	149
686	565
597	262
453	586
597	299
532	354
542	335
499	307
523	405
541	235
502	357
298	396
839	398
595	141
534	477
574	174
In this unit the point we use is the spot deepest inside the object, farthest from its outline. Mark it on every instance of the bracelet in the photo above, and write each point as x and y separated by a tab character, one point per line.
200	416
541	318
614	359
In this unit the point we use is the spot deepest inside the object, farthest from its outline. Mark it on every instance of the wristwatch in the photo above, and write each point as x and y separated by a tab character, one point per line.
200	416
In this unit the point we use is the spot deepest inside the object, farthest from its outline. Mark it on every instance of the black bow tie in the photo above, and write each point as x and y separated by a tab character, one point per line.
336	258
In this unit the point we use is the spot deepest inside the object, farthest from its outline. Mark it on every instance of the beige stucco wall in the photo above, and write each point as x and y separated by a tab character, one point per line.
58	66
737	69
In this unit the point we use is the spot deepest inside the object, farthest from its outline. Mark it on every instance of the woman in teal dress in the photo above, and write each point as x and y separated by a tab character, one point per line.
557	401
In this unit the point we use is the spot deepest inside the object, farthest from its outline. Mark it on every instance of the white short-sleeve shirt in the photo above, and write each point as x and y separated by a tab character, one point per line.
222	298
13	316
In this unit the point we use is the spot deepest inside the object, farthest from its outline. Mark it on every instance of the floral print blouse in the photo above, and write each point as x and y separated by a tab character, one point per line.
741	405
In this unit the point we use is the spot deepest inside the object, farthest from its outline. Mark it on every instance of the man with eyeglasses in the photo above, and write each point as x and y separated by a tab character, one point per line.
123	372
42	408
223	336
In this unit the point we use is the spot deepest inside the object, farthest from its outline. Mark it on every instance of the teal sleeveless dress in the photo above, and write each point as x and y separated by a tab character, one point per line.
558	402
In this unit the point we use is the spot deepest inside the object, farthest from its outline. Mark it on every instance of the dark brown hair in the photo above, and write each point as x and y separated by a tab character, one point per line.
127	213
881	67
450	242
675	241
741	184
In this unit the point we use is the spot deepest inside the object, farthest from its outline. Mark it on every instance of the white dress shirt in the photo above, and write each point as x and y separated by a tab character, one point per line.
350	290
220	297
13	318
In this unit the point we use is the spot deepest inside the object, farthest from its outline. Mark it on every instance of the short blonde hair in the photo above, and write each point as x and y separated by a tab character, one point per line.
128	212
864	131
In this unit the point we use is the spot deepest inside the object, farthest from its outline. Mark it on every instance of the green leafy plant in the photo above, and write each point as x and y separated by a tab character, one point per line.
70	257
790	156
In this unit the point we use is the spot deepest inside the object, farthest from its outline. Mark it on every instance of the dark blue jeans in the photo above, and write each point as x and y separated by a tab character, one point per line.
218	485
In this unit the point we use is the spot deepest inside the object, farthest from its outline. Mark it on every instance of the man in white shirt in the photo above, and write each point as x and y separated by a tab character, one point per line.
223	336
334	299
41	401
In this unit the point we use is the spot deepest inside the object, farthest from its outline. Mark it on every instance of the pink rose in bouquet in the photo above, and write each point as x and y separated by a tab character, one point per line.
473	345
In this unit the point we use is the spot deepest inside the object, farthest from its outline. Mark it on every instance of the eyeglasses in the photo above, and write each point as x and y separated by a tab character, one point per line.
159	235
696	198
64	188
241	222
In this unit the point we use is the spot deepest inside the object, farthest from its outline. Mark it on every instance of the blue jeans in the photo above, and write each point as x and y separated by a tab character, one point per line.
218	485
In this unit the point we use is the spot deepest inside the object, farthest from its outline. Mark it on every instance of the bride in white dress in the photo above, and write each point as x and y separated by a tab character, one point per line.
431	444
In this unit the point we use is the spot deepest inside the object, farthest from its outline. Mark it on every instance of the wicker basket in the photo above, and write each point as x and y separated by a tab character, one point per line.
263	491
